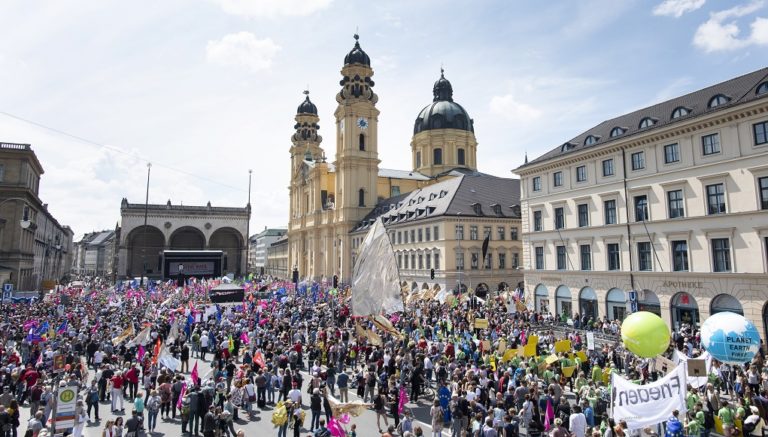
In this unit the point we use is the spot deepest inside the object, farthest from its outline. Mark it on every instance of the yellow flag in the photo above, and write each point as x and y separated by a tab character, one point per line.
582	356
530	350
562	346
552	359
509	354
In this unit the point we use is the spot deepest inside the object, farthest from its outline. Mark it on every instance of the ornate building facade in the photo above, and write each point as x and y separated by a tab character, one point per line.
330	202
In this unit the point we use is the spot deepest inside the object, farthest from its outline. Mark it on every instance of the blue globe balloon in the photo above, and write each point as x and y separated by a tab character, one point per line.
730	338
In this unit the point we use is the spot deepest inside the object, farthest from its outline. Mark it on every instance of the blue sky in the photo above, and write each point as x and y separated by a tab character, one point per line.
207	89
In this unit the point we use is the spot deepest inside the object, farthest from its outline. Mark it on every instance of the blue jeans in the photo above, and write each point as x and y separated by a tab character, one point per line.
315	420
151	420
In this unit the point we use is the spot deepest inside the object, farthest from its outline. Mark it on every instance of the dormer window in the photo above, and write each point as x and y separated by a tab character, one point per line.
680	111
432	196
718	100
477	208
443	193
497	209
591	139
762	89
615	132
566	147
646	122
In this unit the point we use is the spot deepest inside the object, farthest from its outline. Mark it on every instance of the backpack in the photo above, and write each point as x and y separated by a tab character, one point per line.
709	420
748	427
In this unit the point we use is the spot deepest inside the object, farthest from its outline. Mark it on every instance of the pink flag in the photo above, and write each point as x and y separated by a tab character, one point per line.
181	395
258	358
195	376
39	359
549	416
335	428
244	337
402	401
141	352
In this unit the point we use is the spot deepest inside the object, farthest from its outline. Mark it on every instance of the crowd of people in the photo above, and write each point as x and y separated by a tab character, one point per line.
298	351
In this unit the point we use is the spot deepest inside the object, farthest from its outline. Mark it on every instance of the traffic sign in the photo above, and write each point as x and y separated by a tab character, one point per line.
8	288
633	296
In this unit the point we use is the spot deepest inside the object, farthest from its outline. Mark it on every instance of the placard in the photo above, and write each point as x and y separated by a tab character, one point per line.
590	340
481	323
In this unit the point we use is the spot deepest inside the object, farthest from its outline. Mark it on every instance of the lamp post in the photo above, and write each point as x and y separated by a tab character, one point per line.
248	227
461	251
144	231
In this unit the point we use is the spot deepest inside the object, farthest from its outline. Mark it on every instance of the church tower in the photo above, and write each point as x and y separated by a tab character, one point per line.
443	134
306	141
357	162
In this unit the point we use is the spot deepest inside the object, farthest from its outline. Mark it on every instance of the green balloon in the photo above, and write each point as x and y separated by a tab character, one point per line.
645	334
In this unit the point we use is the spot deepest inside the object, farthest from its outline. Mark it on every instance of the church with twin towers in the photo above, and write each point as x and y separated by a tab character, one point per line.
335	197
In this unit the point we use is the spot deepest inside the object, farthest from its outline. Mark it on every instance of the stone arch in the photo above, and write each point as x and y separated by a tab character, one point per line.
414	286
144	251
541	298
725	302
229	241
563	301
588	303
481	290
616	304
187	238
425	286
684	309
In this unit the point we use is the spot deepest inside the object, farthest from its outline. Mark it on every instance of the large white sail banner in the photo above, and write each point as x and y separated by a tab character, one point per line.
376	280
646	405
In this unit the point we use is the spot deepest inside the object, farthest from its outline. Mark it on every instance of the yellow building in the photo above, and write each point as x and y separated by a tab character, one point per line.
330	199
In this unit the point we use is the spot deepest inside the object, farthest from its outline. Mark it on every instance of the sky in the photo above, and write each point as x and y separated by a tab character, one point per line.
207	89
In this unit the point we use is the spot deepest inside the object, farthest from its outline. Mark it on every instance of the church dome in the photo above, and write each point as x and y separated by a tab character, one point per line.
443	112
307	107
357	55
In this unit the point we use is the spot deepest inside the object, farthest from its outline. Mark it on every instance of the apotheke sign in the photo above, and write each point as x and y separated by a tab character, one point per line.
681	284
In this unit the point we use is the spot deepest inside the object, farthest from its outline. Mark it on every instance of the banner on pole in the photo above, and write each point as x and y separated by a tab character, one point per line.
650	404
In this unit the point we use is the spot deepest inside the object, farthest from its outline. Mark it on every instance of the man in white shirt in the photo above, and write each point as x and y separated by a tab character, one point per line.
295	395
203	345
577	422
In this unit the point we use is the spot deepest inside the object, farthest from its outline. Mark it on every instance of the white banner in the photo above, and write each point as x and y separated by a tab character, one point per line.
191	268
695	381
646	405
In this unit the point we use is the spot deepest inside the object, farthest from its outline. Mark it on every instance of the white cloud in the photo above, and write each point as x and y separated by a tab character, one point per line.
272	8
242	49
676	8
718	34
506	106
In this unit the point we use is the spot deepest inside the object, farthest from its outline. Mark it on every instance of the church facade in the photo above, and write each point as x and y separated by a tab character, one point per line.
330	200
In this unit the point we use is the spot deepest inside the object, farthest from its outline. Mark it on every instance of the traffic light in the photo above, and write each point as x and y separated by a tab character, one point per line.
335	281
432	274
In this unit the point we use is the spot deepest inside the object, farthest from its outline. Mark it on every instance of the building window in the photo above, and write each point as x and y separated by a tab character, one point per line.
638	160
488	261
557	179
610	212
437	233
437	261
429	261
421	235
418	159
671	153
406	261
680	112
646	122
399	237
2	172
502	233
614	260
513	234
399	261
539	258
459	232
721	255
395	191
537	221
427	232
718	100
585	251
361	197
421	262
615	132
559	218
581	173
715	199
710	144
675	204
460	156
362	142
680	256
413	261
607	167
641	208
405	237
537	183
437	156
460	261
413	236
561	257
473	232
583	215
487	232
590	140
763	182
644	261
761	133
474	261
502	261
515	260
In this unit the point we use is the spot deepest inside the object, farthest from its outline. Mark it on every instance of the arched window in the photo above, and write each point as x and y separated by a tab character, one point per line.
590	140
718	100
615	132
437	156
646	122
437	121
680	111
762	89
418	159
461	157
459	122
361	197
362	142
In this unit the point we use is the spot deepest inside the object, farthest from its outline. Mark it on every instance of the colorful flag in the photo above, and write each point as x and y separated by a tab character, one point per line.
549	416
156	351
194	375
258	358
62	328
402	401
141	352
335	428
181	395
231	345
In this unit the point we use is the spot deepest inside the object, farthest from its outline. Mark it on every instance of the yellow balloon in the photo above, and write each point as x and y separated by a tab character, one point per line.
645	334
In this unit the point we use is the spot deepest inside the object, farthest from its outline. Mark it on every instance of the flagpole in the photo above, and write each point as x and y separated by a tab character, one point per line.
248	227
144	231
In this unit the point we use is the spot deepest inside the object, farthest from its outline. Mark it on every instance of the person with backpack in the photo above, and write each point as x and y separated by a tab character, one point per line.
153	409
92	400
753	425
